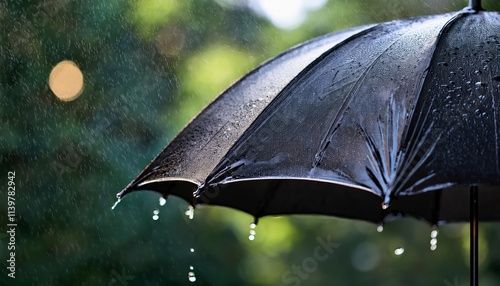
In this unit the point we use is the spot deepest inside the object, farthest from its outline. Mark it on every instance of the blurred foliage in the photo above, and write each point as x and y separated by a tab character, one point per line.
148	67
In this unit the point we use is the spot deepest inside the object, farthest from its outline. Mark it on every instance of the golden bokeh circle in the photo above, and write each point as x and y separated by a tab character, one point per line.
66	81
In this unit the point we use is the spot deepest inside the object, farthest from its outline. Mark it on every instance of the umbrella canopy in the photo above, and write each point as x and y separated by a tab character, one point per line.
362	123
372	123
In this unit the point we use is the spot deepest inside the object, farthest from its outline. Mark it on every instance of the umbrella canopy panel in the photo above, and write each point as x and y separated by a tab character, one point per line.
384	115
186	162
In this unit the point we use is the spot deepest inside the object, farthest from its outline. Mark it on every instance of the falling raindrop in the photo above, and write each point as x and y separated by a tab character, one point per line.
116	203
252	231
433	242
155	214
191	276
163	201
434	233
190	212
380	228
399	251
191	250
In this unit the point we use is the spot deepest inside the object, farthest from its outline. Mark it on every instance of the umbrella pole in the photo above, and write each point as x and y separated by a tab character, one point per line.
473	236
475	5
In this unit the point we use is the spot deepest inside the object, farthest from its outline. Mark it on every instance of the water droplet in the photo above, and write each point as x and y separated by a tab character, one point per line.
116	203
190	212
481	83
163	201
156	214
252	231
399	251
433	242
380	228
434	233
191	276
191	267
191	250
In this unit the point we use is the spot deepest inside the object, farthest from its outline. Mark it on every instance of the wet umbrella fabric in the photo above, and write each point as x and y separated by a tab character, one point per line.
373	123
382	112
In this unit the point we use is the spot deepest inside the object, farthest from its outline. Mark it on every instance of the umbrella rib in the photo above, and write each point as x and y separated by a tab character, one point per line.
383	173
496	131
269	197
314	43
496	125
357	84
420	162
418	120
264	117
437	203
374	159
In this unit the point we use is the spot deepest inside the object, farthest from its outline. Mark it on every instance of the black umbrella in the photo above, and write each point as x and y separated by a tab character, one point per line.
373	123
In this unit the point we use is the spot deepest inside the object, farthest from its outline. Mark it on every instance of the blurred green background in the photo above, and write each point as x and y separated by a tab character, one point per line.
148	67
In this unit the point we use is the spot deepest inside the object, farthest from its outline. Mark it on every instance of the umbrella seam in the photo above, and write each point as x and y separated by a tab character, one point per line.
280	97
314	43
418	120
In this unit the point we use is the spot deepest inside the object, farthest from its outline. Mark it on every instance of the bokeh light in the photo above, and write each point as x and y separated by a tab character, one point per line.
66	81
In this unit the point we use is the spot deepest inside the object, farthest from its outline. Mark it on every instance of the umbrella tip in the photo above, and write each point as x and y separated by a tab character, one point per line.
120	195
118	200
475	5
387	202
